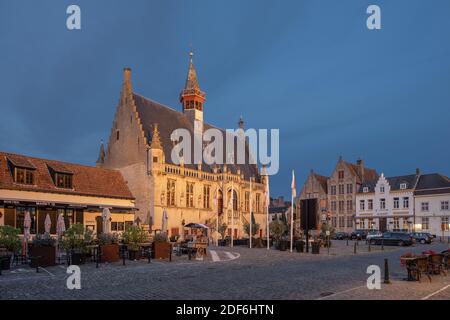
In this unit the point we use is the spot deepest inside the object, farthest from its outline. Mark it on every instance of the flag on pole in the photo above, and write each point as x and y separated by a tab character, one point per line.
293	195
294	191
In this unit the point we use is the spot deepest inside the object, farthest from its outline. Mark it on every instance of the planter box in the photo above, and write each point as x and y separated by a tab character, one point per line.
47	256
282	245
161	250
300	246
77	258
134	254
5	262
315	248
109	253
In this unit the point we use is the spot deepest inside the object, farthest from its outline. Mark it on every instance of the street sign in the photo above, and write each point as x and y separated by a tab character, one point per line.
327	232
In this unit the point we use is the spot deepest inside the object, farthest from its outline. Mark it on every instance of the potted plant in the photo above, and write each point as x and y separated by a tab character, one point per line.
109	247
9	240
277	229
255	228
133	236
43	246
75	240
161	247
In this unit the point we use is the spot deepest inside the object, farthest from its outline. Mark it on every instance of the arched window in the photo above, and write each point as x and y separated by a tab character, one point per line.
220	202
235	199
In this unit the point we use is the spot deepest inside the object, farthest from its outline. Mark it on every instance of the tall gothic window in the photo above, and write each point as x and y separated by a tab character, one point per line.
220	202
170	192
206	196
247	201
189	194
258	202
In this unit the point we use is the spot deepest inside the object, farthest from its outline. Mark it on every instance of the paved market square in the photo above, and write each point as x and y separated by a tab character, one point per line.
235	273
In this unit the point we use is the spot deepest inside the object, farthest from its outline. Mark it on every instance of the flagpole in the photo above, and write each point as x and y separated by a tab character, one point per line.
250	220
232	213
267	211
292	207
217	220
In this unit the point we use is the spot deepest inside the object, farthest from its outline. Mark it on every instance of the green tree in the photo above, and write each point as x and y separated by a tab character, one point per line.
277	229
223	229
255	227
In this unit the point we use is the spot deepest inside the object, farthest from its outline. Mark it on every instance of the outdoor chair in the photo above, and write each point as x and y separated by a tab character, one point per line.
421	267
436	264
446	261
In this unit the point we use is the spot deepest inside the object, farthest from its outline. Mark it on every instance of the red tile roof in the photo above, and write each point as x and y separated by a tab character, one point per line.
87	181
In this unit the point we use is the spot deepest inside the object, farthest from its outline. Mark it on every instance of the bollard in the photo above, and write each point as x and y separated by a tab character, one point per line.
386	272
123	256
354	248
97	258
347	242
382	245
149	255
370	249
448	239
189	253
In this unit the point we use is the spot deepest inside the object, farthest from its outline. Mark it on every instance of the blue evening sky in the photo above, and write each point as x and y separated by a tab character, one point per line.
310	68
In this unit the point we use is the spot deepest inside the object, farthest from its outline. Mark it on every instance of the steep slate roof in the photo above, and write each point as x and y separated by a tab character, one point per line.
368	184
151	112
410	181
433	183
87	181
369	174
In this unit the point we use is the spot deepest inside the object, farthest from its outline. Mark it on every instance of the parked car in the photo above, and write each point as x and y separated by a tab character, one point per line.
340	236
358	234
373	233
422	237
393	239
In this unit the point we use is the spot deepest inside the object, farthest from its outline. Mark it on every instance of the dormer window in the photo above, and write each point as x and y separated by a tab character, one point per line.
24	176
22	170
62	177
365	189
63	180
382	188
403	186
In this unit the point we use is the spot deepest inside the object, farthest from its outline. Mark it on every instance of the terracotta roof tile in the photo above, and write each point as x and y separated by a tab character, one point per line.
88	181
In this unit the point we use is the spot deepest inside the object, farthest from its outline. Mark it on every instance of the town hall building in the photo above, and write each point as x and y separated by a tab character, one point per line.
140	147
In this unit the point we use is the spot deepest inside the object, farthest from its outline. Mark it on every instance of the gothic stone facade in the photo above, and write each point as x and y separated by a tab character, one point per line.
140	146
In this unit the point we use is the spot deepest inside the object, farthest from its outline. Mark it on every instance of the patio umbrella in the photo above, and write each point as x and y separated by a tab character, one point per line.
164	221
106	215
47	223
26	231
60	226
60	229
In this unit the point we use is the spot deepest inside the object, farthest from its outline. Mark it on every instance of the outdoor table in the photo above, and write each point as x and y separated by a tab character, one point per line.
409	262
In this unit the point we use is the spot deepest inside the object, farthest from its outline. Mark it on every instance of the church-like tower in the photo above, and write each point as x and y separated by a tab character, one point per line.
191	97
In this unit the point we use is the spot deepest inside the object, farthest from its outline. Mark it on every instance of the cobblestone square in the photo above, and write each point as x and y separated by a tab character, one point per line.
235	273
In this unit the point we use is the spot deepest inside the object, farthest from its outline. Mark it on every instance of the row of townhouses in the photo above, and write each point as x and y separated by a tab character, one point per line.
356	197
416	202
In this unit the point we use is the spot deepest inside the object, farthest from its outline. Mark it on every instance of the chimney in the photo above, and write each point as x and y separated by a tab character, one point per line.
360	164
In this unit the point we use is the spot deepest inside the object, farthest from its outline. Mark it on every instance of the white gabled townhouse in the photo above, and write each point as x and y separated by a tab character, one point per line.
432	199
387	203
